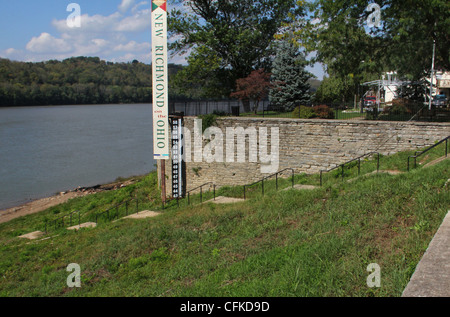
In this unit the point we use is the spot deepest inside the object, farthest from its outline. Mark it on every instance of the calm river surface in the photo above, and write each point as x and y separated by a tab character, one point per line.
45	150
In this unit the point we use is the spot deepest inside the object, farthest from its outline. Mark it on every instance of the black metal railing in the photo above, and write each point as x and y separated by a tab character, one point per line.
60	221
342	166
115	210
188	195
201	192
276	180
419	153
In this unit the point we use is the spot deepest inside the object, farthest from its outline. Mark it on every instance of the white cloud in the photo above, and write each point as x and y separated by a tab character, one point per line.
10	51
139	21
12	54
136	7
143	58
119	37
90	24
125	5
92	47
46	43
133	46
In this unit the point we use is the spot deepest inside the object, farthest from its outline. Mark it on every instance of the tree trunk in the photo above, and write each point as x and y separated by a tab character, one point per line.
255	107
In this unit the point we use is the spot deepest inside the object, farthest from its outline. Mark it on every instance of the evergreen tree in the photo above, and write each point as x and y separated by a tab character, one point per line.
229	39
290	87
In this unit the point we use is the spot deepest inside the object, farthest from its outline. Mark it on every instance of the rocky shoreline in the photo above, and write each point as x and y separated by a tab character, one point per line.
45	203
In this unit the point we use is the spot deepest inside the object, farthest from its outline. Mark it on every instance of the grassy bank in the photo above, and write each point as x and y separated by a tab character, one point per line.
285	243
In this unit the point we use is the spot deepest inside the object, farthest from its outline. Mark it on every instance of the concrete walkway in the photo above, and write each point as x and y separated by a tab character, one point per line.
224	200
432	275
142	214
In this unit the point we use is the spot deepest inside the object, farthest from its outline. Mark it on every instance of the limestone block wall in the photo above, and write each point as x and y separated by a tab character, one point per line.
308	146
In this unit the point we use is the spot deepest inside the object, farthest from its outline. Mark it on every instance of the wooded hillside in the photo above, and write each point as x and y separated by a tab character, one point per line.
77	80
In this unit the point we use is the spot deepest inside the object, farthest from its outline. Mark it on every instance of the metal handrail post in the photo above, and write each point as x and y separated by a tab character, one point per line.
378	163
293	174
320	178
446	144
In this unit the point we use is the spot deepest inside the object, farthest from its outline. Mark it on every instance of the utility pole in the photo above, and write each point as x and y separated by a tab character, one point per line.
432	73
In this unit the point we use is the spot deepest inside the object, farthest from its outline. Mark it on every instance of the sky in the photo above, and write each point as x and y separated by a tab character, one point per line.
114	30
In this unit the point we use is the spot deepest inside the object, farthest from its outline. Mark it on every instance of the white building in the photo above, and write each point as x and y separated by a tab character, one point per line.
389	84
442	82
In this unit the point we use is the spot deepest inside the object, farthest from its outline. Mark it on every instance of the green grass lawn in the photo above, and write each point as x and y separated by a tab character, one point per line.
285	243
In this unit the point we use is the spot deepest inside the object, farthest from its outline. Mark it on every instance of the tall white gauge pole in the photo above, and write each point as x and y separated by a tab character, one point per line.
160	88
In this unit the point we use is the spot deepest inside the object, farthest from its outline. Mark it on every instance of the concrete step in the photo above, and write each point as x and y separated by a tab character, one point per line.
302	187
390	172
142	214
436	161
83	225
224	200
32	235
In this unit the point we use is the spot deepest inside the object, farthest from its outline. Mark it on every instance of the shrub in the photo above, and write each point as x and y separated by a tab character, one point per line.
303	112
402	106
208	120
323	112
399	106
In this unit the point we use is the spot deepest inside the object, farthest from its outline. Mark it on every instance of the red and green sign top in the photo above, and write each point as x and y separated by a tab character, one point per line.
159	4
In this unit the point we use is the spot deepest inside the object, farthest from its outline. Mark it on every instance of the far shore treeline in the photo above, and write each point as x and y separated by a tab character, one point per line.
76	80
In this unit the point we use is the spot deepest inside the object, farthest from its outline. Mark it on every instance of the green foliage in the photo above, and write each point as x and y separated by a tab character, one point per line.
77	80
202	77
398	107
333	90
322	112
290	86
338	32
208	120
235	36
303	112
159	255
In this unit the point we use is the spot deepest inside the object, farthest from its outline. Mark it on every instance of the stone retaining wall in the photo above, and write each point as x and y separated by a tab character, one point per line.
308	146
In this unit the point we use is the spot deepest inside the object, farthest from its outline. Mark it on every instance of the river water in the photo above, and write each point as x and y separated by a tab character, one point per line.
45	150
